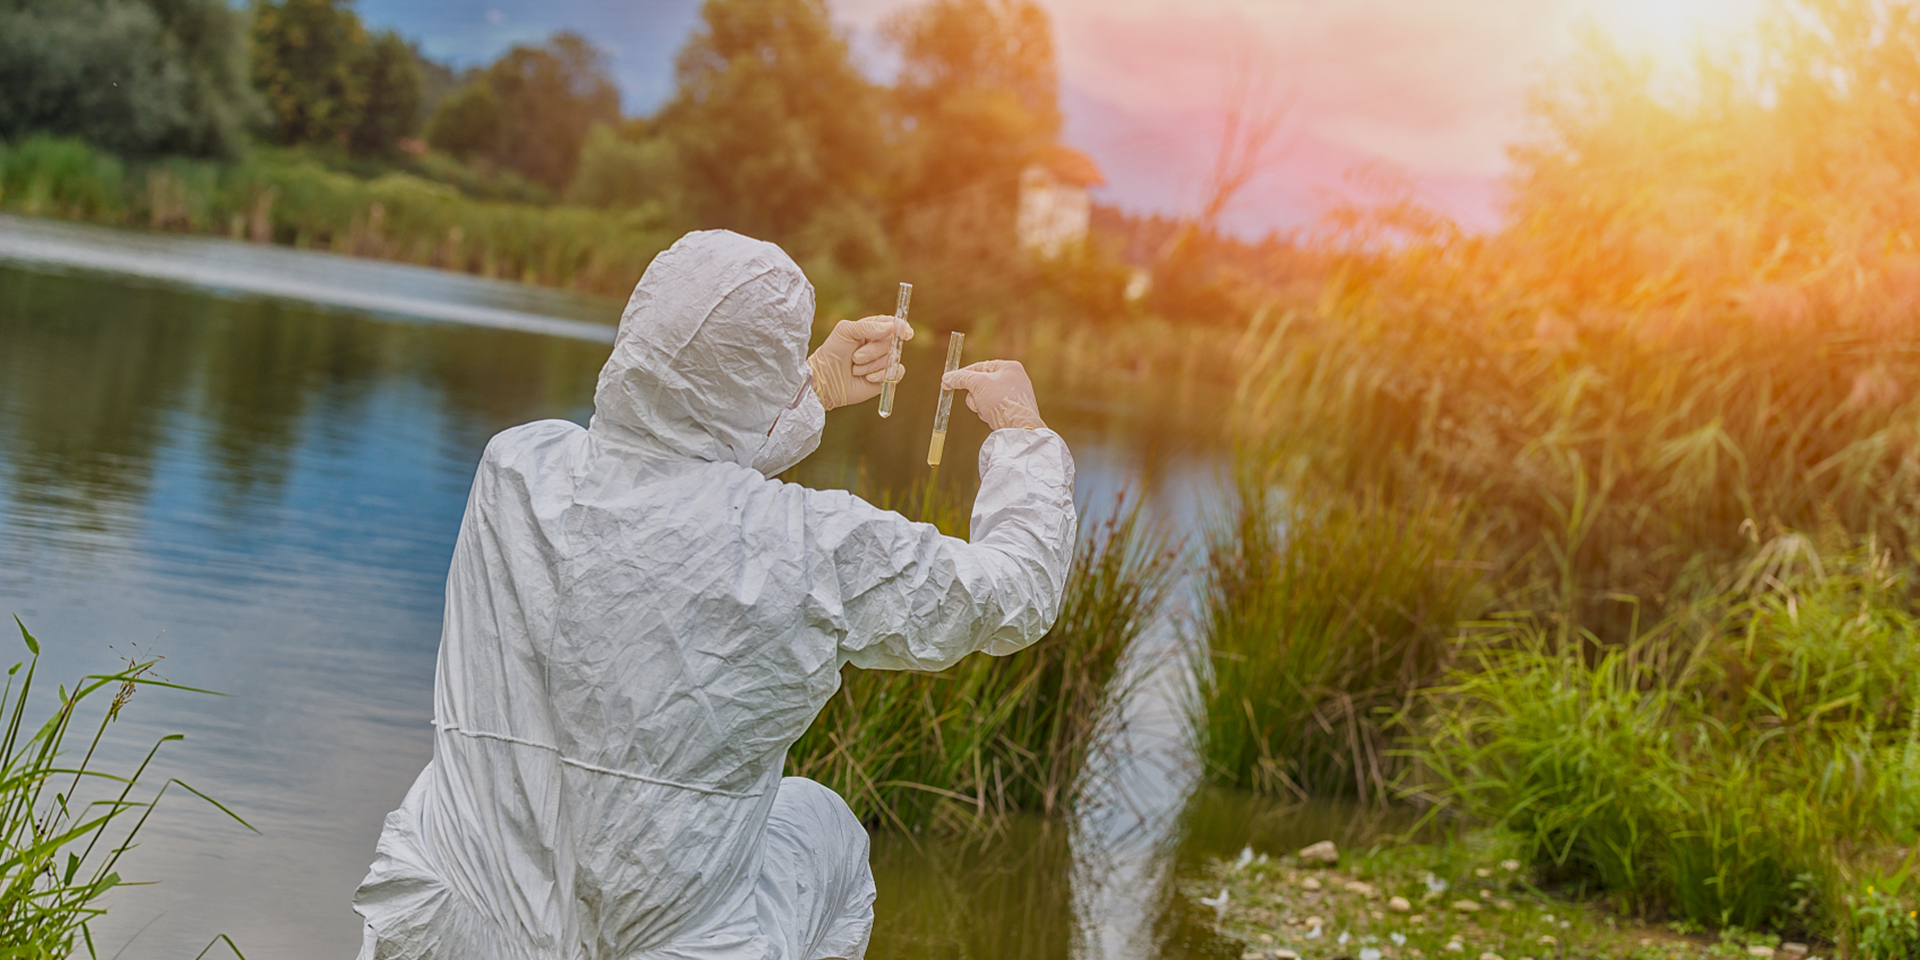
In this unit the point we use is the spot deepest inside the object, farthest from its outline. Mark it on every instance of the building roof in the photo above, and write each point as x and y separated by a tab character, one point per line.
1071	166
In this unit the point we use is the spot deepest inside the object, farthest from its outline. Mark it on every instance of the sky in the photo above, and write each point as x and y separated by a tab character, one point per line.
1424	92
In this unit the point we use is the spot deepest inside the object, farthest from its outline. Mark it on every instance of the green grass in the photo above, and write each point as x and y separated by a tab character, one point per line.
1273	899
277	196
961	749
1692	338
1325	617
1752	781
60	854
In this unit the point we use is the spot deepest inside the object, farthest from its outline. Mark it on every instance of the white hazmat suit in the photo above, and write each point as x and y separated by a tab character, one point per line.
639	623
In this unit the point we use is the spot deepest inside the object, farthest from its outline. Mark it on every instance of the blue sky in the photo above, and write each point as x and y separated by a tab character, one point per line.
639	36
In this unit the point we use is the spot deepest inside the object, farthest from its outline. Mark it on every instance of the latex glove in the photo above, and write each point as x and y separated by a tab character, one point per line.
850	366
999	391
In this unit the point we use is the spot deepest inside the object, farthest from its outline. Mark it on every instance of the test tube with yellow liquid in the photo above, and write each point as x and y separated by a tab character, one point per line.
893	361
939	442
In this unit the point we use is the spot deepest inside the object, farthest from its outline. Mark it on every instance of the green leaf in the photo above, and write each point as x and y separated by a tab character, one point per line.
32	644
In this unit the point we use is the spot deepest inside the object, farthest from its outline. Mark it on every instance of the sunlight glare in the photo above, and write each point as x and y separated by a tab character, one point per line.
1670	30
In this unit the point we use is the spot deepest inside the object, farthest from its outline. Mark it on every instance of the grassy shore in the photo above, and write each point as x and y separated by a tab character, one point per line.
285	197
1603	529
1468	898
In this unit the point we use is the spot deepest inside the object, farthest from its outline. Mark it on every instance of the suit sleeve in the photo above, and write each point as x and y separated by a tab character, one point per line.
903	596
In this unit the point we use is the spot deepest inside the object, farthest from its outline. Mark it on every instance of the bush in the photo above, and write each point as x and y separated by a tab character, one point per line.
1733	767
140	77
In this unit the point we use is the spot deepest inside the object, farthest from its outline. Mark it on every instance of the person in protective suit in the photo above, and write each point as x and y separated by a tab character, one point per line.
640	621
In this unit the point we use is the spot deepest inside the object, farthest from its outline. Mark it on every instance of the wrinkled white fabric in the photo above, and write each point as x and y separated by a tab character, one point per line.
794	437
639	624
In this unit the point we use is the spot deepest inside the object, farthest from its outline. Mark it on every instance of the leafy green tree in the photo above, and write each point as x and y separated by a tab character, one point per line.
976	101
617	172
306	54
977	96
776	133
132	76
390	73
530	110
468	122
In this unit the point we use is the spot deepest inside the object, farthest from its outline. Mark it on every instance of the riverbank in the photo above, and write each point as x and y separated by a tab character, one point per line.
1463	899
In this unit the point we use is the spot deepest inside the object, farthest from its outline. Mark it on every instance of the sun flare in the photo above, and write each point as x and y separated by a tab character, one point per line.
1669	29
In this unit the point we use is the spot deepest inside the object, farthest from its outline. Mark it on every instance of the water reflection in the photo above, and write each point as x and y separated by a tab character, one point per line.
268	493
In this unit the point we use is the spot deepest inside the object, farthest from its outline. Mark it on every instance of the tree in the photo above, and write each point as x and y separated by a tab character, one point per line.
390	74
976	102
305	59
530	110
467	123
133	76
978	94
776	133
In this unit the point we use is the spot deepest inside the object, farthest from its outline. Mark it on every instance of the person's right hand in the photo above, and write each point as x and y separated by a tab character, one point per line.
999	391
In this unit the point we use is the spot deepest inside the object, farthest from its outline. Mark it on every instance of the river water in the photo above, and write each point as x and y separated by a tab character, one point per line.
253	462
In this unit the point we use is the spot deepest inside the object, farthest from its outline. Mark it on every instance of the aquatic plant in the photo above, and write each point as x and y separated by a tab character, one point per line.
962	748
1325	616
59	853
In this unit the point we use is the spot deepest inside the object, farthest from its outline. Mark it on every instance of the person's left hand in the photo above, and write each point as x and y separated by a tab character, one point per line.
850	366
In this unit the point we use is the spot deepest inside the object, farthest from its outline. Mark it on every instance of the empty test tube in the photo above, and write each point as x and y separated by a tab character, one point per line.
939	443
893	362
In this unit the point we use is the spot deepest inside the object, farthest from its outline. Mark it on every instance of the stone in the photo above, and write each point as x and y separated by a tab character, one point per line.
1284	954
1510	866
1399	904
1323	852
1252	954
1310	883
1549	939
1482	872
1490	956
1764	953
1792	949
1503	904
1466	906
1455	946
1417	918
1362	888
1266	938
1370	953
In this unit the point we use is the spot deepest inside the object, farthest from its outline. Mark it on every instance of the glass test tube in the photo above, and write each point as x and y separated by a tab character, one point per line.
887	388
939	442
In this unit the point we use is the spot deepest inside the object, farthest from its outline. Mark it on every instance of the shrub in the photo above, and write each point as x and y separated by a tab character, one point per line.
1731	767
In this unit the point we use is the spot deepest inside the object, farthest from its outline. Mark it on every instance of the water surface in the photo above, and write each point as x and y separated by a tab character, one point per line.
266	492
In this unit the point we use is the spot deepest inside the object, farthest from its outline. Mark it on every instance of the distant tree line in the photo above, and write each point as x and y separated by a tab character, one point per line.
771	129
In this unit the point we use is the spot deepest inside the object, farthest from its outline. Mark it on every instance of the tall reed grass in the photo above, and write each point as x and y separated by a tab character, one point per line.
59	853
960	749
1695	328
285	197
1325	616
